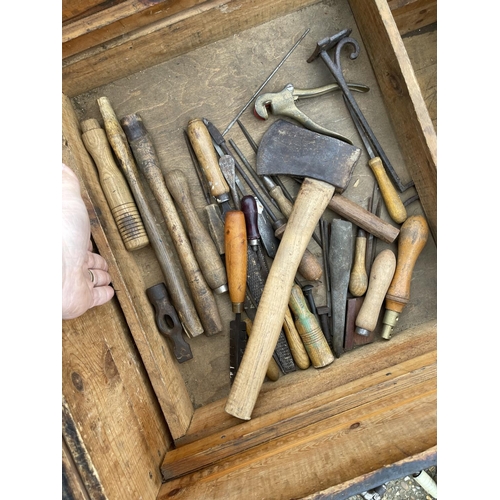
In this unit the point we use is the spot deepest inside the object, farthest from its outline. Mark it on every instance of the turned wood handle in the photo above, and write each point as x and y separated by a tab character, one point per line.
174	279
393	202
115	187
215	226
381	274
309	330
147	160
204	247
358	281
235	239
309	205
284	204
362	218
297	348
412	239
200	139
273	370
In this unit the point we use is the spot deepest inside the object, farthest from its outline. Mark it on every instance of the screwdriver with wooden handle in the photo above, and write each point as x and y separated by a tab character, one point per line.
235	237
145	154
204	247
412	240
393	202
381	274
114	186
207	157
174	279
309	330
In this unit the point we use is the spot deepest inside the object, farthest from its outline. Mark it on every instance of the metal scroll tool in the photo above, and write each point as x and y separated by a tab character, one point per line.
243	109
337	42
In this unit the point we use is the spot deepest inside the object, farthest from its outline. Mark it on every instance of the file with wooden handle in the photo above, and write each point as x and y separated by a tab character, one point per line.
145	154
172	273
115	187
358	281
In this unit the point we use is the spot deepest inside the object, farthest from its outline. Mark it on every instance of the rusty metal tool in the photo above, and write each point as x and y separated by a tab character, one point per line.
309	267
212	211
309	330
207	157
244	108
329	163
283	103
145	154
173	275
412	240
340	256
226	165
338	42
256	277
115	187
381	275
167	321
395	206
236	265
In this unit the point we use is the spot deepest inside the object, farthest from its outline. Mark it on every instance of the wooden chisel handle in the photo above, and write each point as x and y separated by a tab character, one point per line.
393	202
358	281
145	154
204	247
297	348
235	238
200	139
381	275
309	206
309	330
362	218
115	187
173	276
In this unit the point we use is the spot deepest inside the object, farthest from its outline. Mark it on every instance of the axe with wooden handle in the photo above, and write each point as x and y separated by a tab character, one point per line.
327	164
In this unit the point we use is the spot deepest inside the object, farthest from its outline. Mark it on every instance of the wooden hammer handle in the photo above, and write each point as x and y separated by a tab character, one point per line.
170	269
313	198
145	154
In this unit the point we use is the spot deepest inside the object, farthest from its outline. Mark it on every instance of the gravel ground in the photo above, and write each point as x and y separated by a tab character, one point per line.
405	488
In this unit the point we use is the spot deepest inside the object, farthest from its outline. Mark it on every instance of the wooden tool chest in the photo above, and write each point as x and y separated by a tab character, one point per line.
136	423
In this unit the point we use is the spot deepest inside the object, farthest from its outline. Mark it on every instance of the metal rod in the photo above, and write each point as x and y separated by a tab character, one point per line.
233	121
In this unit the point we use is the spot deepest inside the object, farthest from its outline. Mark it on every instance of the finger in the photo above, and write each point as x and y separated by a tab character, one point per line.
90	247
101	295
101	278
95	261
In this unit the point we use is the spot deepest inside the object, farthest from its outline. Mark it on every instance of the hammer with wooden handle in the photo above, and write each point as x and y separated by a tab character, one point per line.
286	148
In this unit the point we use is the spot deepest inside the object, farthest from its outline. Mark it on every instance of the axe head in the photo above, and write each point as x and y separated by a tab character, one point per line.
288	149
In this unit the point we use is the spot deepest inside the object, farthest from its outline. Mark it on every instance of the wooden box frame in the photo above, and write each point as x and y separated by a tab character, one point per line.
388	405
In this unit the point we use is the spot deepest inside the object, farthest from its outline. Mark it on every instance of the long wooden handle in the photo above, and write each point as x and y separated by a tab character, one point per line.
364	219
393	202
309	205
309	330
115	187
200	139
297	348
204	247
235	238
381	275
145	154
358	281
174	279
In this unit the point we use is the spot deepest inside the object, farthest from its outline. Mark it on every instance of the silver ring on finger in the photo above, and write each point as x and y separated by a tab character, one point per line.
92	277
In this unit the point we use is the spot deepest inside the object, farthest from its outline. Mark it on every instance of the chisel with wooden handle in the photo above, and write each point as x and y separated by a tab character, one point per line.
204	247
114	186
235	237
173	275
146	157
412	240
358	281
328	163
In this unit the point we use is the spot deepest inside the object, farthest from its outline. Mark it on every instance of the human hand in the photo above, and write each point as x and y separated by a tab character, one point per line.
85	277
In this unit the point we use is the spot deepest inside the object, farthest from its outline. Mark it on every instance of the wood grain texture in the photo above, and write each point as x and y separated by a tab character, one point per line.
160	363
411	15
403	99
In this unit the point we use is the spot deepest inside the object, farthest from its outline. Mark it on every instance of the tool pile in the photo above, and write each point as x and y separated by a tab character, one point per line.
252	239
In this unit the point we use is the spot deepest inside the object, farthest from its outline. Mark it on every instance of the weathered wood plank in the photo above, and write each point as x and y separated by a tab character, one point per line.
297	416
128	284
72	484
401	93
354	442
411	15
